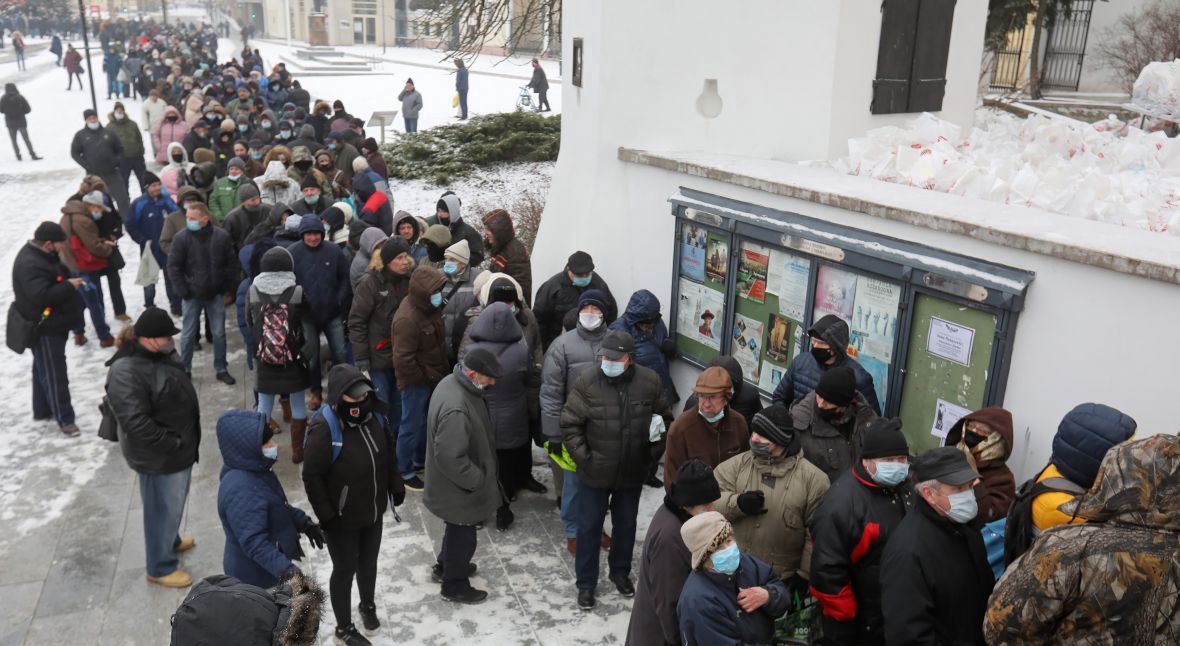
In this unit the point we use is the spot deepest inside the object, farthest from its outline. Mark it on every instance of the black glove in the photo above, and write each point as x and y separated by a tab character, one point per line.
396	497
315	535
668	347
504	517
798	589
752	503
555	448
290	572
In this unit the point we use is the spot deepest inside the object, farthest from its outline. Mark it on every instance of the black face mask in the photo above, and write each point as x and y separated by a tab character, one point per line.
434	252
251	209
822	355
972	440
303	165
828	414
355	412
177	158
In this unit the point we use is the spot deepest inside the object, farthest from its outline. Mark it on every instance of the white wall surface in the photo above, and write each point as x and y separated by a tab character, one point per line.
1095	76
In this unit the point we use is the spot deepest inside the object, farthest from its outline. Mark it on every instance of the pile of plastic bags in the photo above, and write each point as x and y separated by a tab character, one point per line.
1158	89
1108	171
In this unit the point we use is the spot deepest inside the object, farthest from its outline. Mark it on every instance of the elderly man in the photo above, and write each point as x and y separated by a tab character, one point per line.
561	294
935	579
712	432
461	478
858	516
606	425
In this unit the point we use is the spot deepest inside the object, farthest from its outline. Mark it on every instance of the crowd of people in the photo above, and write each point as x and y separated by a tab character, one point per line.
447	368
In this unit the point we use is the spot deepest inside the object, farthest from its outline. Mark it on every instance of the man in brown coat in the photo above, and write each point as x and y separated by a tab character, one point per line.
89	260
711	431
506	253
419	363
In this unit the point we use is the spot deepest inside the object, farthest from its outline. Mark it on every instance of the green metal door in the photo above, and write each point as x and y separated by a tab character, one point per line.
950	349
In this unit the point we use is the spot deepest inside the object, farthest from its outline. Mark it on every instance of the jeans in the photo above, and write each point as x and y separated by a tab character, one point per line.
354	554
569	498
51	383
214	309
24	133
463	104
128	165
91	292
112	85
115	285
385	383
411	433
20	60
334	330
71	84
266	404
163	498
458	546
412	124
590	512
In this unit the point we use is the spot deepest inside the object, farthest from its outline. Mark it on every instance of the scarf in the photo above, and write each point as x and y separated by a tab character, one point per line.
274	283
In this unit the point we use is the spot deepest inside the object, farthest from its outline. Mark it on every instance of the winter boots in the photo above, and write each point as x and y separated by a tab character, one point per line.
177	579
285	404
298	430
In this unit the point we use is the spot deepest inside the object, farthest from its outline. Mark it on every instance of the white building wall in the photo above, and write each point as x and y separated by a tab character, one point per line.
1096	78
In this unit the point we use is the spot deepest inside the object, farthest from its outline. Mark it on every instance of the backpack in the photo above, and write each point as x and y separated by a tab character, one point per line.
1019	531
222	610
274	342
337	436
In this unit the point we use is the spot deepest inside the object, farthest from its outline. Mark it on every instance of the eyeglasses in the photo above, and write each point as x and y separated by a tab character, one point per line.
714	398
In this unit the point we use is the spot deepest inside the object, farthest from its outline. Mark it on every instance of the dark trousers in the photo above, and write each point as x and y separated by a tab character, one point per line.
92	299
354	554
463	104
591	505
117	187
71	84
115	287
24	133
543	100
516	466
128	165
458	546
51	384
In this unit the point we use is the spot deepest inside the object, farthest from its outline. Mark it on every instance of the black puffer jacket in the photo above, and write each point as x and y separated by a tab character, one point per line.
605	425
202	264
804	373
558	295
39	281
370	320
832	446
353	491
156	405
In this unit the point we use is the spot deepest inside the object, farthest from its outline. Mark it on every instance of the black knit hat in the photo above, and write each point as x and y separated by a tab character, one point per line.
884	439
837	385
154	323
309	181
776	424
484	362
277	259
695	485
88	112
149	178
49	232
393	248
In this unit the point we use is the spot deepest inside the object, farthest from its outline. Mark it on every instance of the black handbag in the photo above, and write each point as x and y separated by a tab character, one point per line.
20	332
115	261
108	428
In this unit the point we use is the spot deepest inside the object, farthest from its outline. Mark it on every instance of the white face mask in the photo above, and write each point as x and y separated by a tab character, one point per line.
590	321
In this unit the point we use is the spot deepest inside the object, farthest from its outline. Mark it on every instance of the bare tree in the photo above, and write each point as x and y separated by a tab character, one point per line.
1139	38
532	26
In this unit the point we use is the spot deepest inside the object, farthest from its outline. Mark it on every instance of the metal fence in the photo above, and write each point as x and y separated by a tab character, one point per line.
1066	50
1009	63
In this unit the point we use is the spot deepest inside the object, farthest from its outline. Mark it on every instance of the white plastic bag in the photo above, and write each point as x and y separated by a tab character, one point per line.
149	269
655	431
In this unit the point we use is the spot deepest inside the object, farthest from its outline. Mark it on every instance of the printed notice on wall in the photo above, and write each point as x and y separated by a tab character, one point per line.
950	341
788	276
946	415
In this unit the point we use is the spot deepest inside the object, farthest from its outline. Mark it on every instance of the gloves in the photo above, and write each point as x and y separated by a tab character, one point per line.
798	589
396	498
315	535
555	448
752	503
668	347
504	517
290	572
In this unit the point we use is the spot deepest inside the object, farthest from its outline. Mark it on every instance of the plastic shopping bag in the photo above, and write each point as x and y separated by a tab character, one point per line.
149	269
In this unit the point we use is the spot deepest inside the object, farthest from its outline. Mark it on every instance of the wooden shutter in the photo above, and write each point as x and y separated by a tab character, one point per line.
932	45
895	56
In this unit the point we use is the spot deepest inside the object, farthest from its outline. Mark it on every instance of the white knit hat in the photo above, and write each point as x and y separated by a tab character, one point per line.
460	251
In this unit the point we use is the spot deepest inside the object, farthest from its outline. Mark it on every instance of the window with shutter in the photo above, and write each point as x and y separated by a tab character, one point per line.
912	56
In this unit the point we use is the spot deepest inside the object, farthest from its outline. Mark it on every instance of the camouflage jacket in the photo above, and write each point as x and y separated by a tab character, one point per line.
1113	580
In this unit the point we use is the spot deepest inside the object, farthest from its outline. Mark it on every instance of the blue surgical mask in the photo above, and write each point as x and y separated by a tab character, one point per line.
450	267
436	300
243	127
580	281
311	199
714	419
266	124
890	474
271	452
726	561
963	506
331	146
613	368
92	126
96	215
254	154
192	225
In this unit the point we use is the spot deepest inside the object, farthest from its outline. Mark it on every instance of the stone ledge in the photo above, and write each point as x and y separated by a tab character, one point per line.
1130	251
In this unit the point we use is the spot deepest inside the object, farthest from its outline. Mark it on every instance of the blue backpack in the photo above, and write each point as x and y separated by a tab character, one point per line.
337	436
993	540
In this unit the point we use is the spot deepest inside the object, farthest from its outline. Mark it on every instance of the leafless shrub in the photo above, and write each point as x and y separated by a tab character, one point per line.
1139	38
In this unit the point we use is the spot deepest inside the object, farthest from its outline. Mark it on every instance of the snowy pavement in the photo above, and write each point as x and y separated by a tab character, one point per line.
71	536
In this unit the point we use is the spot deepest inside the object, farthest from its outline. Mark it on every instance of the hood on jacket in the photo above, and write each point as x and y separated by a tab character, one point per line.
205	173
363	186
307	131
643	306
1083	438
500	224
300	154
202	155
832	329
239	435
274	152
303	622
176	145
270	114
186	192
275	173
497	324
1138	484
731	366
451	204
370	239
340	378
171	111
999	419
402	216
10	88
439	234
490	279
424	282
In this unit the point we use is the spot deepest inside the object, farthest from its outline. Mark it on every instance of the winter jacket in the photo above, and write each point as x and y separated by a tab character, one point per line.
40	282
461	79
419	354
370	319
239	222
652	348
849	533
411	103
935	580
275	187
745	400
224	196
997	487
832	446
129	135
202	264
570	355
375	209
151	114
1111	580
344	154
168	132
377	165
462	482
174	222
14	107
793	488
461	297
497	331
176	175
460	230
97	151
803	374
709	612
292	376
370	238
507	254
605	426
690	436
323	273
157	410
308	139
663	568
1083	439
261	528
300	155
146	220
558	296
539	82
193	141
76	221
72	61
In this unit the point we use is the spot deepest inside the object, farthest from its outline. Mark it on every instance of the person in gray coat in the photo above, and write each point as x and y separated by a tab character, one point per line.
371	241
459	294
411	105
462	487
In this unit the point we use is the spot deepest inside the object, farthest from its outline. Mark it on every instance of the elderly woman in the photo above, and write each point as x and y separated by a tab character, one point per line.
730	597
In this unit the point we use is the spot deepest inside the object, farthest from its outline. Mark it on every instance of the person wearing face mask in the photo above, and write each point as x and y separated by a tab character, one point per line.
249	213
203	268
508	254
935	578
745	399
131	139
854	523
144	224
177	173
461	470
223	198
570	354
99	152
731	596
350	475
829	349
431	247
666	561
253	158
558	296
712	432
159	427
322	270
314	201
459	293
985	437
377	295
419	363
343	153
303	165
87	256
45	294
285	133
261	528
653	347
170	129
832	420
448	212
606	427
771	494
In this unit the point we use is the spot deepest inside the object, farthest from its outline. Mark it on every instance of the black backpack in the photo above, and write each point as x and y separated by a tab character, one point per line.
1019	531
223	610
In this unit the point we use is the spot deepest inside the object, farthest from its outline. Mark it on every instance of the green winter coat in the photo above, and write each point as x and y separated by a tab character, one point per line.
223	198
462	485
129	135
